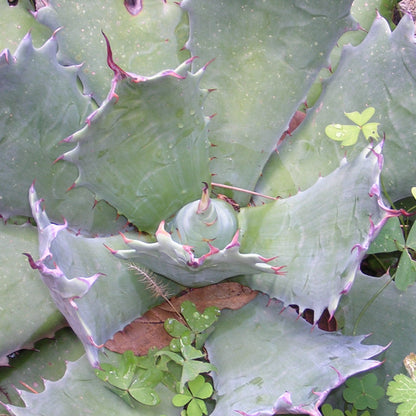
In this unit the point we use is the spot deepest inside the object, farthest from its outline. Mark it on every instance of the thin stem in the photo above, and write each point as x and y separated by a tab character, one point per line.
234	188
380	263
368	304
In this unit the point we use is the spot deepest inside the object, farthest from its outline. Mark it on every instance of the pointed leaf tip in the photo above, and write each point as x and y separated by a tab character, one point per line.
118	72
208	63
32	262
191	59
56	32
161	230
125	239
111	250
234	241
171	73
71	187
278	270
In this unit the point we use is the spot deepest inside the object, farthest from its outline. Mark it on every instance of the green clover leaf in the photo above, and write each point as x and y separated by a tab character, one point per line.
354	412
182	399
370	130
200	388
193	397
196	407
119	376
361	118
348	134
134	377
175	328
363	392
327	410
189	359
145	395
199	322
179	332
198	329
182	363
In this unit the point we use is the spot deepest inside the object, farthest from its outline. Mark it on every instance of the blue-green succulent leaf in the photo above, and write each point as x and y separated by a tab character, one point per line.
135	150
178	262
267	55
320	239
149	41
283	366
392	327
72	268
27	312
378	73
41	104
16	22
80	392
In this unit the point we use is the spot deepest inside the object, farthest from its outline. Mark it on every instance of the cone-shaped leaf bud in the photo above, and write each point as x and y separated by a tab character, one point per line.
205	221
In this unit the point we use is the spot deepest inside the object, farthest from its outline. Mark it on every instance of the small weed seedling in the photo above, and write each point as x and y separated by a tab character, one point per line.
348	134
193	397
179	366
362	394
186	347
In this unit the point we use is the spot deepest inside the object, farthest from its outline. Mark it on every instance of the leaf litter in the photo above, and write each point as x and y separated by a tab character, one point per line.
148	331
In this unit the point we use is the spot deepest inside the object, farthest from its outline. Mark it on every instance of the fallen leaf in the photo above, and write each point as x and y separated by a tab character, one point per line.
148	331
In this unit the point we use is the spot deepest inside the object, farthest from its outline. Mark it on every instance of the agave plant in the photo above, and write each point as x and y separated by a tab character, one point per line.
149	134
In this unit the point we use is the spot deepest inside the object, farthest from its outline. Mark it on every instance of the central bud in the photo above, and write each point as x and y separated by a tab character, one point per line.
202	223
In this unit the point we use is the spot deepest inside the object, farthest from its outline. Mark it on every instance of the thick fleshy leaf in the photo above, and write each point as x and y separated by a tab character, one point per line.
26	313
134	151
80	392
203	223
406	269
364	12
320	239
279	364
389	238
96	301
47	360
388	317
30	134
145	43
264	65
178	262
16	22
364	78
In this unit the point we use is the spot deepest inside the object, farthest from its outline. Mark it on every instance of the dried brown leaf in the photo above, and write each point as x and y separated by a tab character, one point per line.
148	331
